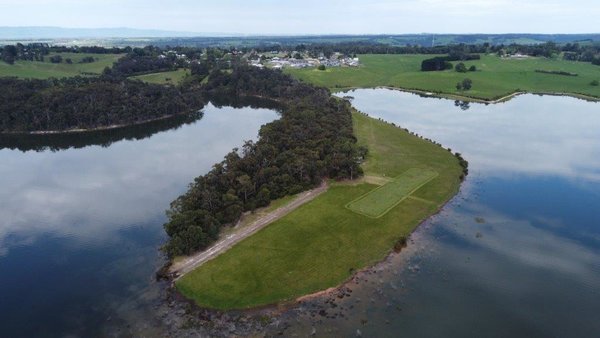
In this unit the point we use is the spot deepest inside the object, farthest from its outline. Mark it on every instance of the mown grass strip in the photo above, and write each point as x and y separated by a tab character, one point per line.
381	200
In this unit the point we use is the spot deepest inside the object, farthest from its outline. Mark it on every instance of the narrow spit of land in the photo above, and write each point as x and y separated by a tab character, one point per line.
322	243
190	263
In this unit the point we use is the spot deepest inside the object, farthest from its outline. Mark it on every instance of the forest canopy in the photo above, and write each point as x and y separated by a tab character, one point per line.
87	103
312	140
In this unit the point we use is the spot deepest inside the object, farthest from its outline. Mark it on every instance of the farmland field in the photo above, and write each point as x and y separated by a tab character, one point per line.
495	77
46	69
172	77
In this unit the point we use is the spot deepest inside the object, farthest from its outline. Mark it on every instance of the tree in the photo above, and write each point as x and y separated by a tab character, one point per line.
467	84
460	67
56	59
9	54
199	69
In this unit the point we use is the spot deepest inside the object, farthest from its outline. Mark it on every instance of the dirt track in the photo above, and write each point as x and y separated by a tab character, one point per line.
223	244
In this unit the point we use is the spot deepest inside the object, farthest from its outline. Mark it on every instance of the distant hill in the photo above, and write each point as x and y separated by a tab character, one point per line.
387	39
123	36
34	32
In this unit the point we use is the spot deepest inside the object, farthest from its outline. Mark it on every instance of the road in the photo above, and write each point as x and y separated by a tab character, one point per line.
192	262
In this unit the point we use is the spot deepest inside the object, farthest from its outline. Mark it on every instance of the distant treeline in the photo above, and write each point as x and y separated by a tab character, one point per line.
443	62
311	141
37	51
151	59
395	40
87	103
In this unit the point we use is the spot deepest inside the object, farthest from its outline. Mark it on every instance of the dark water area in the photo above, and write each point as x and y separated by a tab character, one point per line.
515	253
82	221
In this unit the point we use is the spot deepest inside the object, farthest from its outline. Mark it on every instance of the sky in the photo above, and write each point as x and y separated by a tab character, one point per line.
311	16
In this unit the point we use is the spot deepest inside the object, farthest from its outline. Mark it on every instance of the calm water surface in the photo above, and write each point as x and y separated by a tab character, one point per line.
80	228
516	253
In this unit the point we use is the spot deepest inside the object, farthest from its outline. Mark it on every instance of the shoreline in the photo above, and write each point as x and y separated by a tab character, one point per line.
471	99
285	305
87	130
278	308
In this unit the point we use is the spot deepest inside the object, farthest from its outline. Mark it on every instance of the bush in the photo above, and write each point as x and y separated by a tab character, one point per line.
56	59
467	84
461	68
595	83
435	64
473	68
321	67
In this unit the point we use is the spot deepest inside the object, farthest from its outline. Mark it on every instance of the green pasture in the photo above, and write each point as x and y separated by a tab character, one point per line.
171	77
495	78
46	69
322	243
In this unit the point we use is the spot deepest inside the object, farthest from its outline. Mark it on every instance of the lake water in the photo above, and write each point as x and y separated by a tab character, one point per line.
516	253
81	227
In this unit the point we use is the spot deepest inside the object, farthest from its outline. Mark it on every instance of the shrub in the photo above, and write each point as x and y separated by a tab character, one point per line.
461	68
473	68
321	67
595	83
467	84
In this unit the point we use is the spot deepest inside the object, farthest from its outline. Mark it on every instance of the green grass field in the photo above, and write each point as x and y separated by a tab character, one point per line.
173	77
46	69
496	77
321	244
378	202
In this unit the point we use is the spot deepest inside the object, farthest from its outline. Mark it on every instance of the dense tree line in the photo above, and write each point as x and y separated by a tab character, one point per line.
31	52
443	62
38	51
87	103
103	138
144	60
311	141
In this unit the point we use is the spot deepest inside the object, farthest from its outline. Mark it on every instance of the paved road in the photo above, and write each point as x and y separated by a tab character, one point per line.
222	245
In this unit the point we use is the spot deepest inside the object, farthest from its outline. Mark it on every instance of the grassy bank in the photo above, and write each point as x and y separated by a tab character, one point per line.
172	77
496	77
320	244
47	69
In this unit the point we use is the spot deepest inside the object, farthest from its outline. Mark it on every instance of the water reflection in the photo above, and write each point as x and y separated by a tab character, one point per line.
80	228
464	105
104	138
549	135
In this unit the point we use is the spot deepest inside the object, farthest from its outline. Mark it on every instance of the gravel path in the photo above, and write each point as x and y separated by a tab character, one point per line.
192	262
